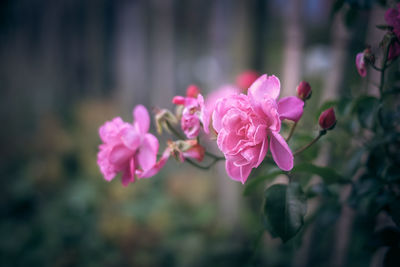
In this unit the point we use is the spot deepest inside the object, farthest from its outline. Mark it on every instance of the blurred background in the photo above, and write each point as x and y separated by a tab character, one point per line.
67	66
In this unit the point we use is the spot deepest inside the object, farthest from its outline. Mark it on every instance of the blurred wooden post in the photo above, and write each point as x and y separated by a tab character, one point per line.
228	191
130	55
332	84
94	47
340	39
292	52
162	74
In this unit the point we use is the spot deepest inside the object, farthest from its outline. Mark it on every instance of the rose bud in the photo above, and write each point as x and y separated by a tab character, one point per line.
369	56
246	78
178	100
183	149
327	119
304	90
360	64
192	91
164	117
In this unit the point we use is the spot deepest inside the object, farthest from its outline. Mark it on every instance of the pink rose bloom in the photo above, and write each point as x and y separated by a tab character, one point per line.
394	50
246	124
129	148
221	92
392	17
194	114
360	64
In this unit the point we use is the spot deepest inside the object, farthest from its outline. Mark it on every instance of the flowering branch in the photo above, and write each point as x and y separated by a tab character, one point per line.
291	131
204	167
174	131
384	66
321	133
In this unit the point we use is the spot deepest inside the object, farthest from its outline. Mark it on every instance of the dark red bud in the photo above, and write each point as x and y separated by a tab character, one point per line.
327	119
192	91
246	79
304	90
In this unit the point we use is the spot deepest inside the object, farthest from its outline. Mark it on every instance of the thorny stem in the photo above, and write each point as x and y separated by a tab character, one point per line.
291	131
200	166
321	133
382	82
174	131
215	157
383	69
375	67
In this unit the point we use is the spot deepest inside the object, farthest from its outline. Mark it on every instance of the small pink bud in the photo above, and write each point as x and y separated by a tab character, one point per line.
327	119
360	64
304	90
196	152
246	78
178	100
192	91
369	56
183	149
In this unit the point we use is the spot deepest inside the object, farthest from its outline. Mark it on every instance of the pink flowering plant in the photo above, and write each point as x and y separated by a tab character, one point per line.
245	124
252	127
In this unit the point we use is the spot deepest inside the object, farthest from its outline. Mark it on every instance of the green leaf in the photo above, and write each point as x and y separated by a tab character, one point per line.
327	174
284	209
384	27
337	5
366	107
386	237
350	16
394	211
392	173
253	184
392	257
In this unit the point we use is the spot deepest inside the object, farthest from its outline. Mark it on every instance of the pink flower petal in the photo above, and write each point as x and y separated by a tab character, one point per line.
178	100
204	114
221	92
141	119
281	152
195	152
106	168
119	156
394	51
156	168
237	173
263	152
109	131
391	16
265	87
131	138
360	64
147	155
290	108
128	176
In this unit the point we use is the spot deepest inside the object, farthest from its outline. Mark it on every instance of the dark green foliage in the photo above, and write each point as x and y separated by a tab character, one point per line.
284	210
